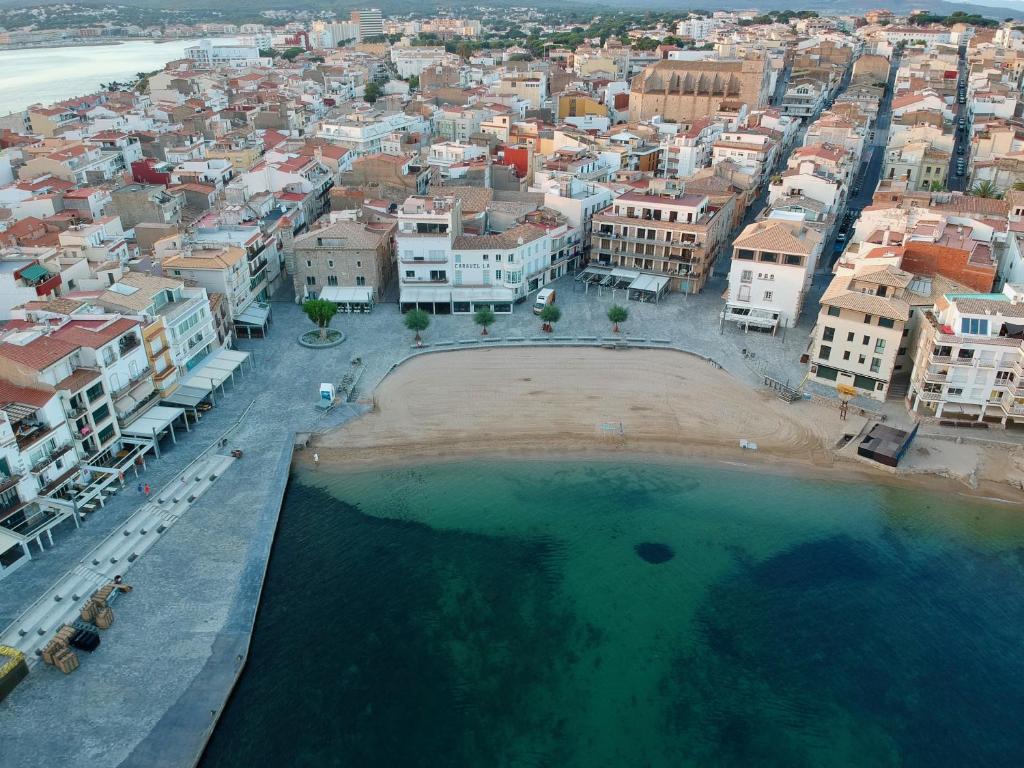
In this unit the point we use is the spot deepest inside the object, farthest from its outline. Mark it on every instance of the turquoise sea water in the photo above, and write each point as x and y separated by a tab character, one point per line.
501	614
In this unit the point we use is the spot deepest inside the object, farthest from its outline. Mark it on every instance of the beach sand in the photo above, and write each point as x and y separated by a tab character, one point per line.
590	402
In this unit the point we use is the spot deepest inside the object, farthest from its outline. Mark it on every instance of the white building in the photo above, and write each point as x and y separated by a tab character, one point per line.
209	54
443	270
773	262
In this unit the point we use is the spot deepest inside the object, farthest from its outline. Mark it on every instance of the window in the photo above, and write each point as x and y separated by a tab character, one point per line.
867	319
486	257
849	336
770	257
955	391
767	295
309	263
745	255
846	355
886	322
359	263
360	280
833	311
794	261
330	263
861	359
866	340
824	352
332	279
876	364
497	274
310	280
746	276
828	334
974	326
410	273
497	257
879	346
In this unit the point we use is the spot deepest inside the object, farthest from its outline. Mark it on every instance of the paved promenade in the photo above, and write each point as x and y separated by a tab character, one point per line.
152	691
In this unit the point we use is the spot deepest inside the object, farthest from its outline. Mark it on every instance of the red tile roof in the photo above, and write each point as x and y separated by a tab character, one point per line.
12	393
94	333
39	353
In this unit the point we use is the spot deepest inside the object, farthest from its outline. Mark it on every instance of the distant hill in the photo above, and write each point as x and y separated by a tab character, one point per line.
999	9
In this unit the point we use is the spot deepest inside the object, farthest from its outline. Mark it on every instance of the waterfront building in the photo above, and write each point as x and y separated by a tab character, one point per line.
674	237
344	254
969	358
773	262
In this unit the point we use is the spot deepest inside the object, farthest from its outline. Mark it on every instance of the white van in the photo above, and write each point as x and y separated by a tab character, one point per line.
545	296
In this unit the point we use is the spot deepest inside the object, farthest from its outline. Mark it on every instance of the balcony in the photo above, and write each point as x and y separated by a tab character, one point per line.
127	343
936	376
46	461
29	434
425	260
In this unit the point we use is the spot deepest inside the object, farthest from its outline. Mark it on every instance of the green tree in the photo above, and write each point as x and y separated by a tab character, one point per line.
414	82
484	317
549	316
986	189
617	314
269	53
371	93
320	311
291	53
417	320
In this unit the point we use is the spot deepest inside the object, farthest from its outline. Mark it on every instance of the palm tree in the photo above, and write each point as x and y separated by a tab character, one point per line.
550	314
417	320
484	317
986	189
320	311
616	315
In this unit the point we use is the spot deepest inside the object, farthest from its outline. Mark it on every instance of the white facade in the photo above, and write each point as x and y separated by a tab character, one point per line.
211	54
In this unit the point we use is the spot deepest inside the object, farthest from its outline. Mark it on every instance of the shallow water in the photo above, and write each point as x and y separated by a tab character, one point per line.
501	614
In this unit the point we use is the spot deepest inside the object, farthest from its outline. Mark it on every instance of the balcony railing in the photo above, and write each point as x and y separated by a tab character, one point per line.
47	460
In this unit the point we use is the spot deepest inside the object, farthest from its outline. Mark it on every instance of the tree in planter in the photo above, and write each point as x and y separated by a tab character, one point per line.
484	317
417	320
616	315
320	311
550	315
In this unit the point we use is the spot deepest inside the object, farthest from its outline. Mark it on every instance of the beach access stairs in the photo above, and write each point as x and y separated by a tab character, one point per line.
784	392
62	603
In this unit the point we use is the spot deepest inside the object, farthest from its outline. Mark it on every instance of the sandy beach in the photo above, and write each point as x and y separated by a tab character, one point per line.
532	402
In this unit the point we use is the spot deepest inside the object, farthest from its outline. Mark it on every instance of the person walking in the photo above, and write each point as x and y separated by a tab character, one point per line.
146	489
316	459
140	487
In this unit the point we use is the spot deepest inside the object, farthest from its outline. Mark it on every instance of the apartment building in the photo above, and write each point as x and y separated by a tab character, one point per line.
773	262
676	236
753	153
33	358
531	87
969	358
444	270
224	270
860	330
345	254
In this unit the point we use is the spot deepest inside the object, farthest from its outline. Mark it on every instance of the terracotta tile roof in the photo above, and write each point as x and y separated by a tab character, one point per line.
779	236
94	333
989	307
839	294
80	378
508	239
12	393
40	353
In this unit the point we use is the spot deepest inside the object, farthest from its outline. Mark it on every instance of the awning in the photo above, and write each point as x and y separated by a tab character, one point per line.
34	272
347	295
214	370
501	295
649	283
255	315
7	540
156	420
625	274
188	397
426	295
